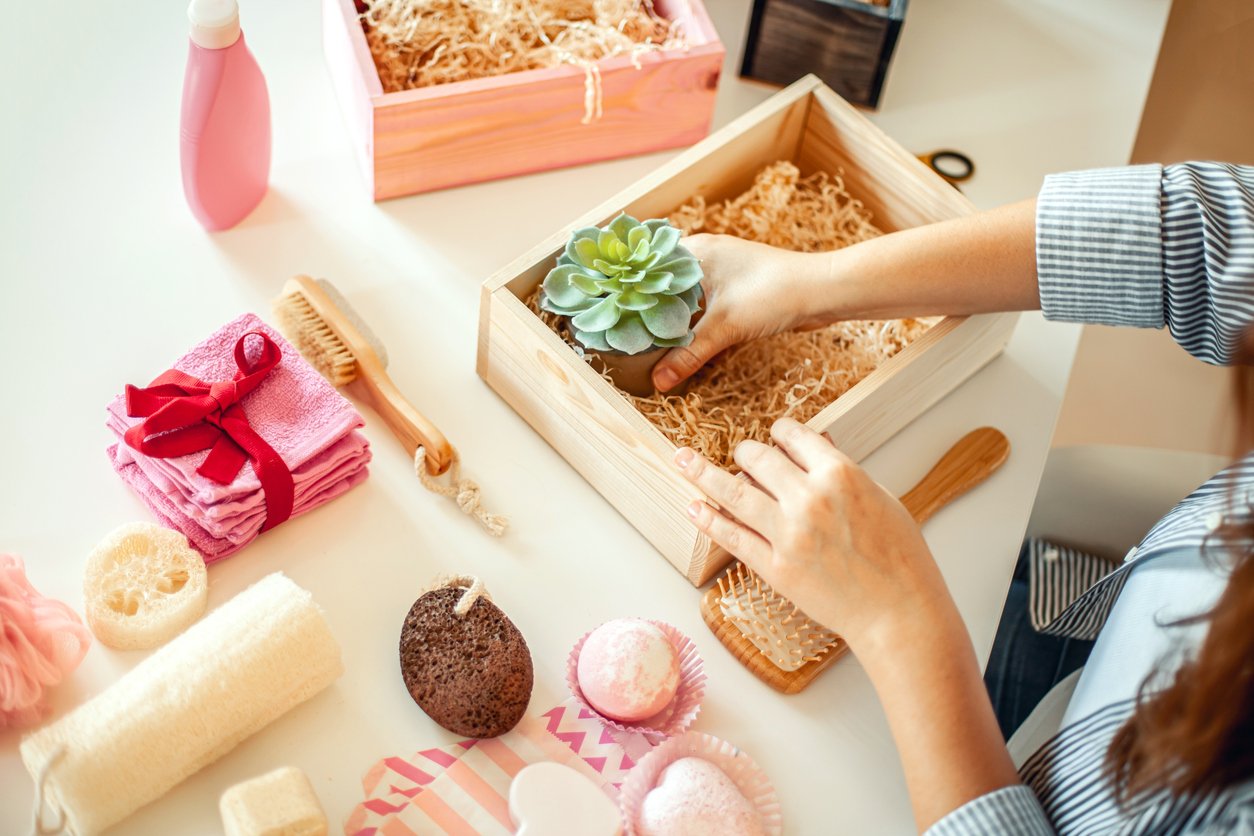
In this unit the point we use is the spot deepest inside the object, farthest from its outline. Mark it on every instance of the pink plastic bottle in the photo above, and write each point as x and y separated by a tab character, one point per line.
225	133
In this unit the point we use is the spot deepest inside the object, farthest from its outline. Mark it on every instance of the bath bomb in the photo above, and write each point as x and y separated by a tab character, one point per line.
628	670
693	797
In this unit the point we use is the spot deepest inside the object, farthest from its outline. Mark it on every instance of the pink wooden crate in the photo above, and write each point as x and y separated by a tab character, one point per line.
468	131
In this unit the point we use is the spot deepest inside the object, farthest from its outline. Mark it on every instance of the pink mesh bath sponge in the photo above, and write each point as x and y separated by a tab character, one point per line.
41	642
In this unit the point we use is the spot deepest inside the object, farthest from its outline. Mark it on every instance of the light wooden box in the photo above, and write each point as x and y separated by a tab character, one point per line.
605	438
483	129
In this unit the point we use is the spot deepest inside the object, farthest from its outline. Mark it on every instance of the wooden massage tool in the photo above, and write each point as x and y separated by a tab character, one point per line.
771	637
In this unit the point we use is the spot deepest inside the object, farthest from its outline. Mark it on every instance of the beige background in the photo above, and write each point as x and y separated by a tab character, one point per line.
1136	387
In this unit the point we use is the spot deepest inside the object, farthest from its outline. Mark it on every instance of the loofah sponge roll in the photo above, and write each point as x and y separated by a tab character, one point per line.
228	676
143	586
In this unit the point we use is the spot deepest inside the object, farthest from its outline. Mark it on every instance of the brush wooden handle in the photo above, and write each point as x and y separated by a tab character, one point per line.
372	383
968	463
408	424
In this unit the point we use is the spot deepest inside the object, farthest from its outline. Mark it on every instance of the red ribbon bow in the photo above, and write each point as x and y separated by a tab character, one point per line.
186	415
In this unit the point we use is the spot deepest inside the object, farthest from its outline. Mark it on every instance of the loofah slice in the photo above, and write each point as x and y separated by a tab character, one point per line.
143	586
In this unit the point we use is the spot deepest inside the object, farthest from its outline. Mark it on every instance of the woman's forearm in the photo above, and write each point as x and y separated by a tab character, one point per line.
977	264
928	680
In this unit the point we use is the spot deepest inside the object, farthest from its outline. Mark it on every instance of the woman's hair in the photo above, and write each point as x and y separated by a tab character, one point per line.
1194	736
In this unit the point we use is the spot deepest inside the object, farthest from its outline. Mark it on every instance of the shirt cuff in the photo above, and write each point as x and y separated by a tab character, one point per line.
1099	253
1007	810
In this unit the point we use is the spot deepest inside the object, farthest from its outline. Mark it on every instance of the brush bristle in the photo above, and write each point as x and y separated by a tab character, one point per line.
314	339
772	623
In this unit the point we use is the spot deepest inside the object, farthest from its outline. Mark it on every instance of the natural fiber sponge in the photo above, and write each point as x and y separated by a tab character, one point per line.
143	586
693	797
471	673
628	670
279	803
227	677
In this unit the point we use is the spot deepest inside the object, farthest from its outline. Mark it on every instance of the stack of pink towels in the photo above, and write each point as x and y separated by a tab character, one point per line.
298	413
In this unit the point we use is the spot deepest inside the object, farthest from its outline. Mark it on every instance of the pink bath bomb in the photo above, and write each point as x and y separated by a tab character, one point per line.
628	670
693	797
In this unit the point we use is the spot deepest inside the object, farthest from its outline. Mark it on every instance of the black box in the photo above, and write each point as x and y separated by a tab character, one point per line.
846	43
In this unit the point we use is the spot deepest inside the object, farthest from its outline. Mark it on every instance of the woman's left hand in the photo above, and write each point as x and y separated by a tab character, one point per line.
822	533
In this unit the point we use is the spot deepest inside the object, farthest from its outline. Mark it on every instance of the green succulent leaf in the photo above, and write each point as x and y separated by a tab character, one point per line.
609	268
608	286
581	234
623	225
602	315
692	298
634	300
667	319
686	339
560	285
637	236
654	224
629	335
631	278
605	243
586	252
655	282
664	240
588	302
594	340
687	273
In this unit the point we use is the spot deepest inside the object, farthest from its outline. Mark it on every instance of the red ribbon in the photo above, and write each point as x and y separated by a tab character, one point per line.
186	415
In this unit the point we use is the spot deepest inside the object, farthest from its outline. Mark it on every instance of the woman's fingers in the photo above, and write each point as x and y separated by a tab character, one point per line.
709	337
769	468
735	495
803	445
737	539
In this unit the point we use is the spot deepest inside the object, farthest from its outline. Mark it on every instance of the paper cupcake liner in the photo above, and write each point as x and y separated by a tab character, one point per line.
739	767
679	715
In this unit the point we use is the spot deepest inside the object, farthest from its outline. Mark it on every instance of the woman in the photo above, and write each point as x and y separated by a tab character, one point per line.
1158	735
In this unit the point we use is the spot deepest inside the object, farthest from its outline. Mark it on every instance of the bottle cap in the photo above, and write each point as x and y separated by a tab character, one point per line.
215	23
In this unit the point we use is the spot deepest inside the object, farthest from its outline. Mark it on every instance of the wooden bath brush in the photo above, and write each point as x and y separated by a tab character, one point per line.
323	326
771	637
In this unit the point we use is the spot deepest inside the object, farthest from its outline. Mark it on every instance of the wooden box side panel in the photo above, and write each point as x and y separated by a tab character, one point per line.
532	121
593	427
353	77
910	383
896	186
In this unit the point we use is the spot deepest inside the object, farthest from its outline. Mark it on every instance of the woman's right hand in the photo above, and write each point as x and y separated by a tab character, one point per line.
751	290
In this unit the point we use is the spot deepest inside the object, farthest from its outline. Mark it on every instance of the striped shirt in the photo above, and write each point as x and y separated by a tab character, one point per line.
1145	246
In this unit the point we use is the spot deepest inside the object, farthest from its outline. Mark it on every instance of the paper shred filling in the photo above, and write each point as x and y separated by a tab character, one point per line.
419	43
797	374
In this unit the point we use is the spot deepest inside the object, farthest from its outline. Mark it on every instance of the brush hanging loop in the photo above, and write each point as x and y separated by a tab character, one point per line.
465	492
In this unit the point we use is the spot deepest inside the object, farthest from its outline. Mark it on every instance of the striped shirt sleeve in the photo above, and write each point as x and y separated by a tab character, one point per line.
1007	810
1149	246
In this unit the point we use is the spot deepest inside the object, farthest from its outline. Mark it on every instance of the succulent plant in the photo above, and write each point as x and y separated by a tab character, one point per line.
627	287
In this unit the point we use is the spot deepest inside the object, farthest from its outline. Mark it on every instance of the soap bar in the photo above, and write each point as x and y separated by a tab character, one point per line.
279	803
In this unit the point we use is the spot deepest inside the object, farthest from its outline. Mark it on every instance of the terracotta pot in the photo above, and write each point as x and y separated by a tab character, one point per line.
633	373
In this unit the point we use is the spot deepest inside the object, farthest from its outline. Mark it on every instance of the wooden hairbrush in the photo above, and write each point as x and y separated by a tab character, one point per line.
325	329
771	637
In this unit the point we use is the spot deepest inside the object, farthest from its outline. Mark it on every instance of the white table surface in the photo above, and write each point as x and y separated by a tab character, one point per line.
106	279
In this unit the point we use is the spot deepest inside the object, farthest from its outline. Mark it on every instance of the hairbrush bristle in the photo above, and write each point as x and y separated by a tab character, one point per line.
314	339
772	623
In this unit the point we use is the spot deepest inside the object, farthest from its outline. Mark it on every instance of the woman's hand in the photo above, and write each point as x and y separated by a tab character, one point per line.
751	290
824	534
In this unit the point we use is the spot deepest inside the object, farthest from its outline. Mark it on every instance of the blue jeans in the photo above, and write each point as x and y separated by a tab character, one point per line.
1024	664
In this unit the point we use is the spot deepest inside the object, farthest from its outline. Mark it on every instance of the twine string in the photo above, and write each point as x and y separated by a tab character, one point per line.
41	801
465	492
474	590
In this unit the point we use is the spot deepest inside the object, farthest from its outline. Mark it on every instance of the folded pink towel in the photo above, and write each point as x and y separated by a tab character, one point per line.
307	422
